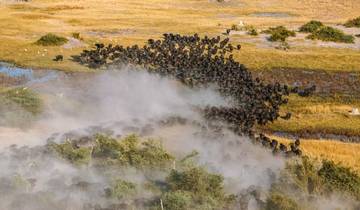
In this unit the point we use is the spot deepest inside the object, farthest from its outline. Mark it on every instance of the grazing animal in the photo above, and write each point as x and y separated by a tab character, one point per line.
58	58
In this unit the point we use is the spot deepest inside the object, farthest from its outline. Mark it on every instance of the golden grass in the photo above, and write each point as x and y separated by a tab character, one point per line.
319	115
23	23
346	154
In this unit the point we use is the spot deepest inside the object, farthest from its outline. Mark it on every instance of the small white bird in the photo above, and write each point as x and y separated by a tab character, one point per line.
241	23
355	111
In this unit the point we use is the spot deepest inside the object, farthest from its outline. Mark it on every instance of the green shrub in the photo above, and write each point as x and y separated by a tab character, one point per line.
251	30
25	98
130	151
72	153
353	23
310	178
206	189
279	33
51	40
198	181
337	177
311	26
330	34
121	189
277	201
177	200
107	147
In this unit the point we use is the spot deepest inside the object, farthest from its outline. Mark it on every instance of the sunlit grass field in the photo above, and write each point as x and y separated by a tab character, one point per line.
129	22
319	115
346	154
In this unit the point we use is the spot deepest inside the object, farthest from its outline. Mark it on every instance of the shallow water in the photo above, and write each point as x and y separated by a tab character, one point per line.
27	76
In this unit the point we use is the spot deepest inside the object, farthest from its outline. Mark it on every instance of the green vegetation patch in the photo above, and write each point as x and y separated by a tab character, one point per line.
72	153
191	186
51	40
330	34
130	151
121	189
337	177
195	188
25	98
311	26
278	201
279	33
178	200
353	23
251	30
308	177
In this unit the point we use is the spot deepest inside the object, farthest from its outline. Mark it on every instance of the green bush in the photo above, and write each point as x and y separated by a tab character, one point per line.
277	201
72	153
198	181
340	178
121	189
311	26
130	151
177	200
25	98
308	178
51	40
251	30
330	34
353	23
279	33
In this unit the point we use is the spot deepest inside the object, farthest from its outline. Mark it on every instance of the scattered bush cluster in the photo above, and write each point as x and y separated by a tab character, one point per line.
195	188
279	33
51	40
311	26
189	186
307	178
325	33
251	30
128	151
328	33
337	177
